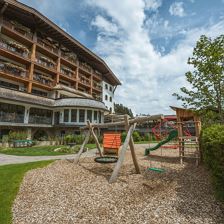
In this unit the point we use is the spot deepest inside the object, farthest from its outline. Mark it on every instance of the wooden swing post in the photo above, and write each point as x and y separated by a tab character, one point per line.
132	146
76	160
120	161
95	138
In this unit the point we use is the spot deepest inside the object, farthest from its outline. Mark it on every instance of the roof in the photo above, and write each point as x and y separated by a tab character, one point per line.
17	96
34	18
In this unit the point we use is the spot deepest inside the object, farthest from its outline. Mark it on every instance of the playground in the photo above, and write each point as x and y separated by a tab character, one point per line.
67	193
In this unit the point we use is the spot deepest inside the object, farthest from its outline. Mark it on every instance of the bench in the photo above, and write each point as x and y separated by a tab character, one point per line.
22	143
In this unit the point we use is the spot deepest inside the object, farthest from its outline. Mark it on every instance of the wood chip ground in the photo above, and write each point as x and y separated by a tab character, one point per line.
65	193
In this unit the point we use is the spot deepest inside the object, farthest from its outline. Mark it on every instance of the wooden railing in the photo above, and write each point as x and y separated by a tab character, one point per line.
43	79
47	45
19	28
14	47
45	61
13	69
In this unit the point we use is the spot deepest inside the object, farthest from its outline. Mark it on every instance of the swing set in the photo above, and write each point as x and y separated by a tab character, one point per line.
130	125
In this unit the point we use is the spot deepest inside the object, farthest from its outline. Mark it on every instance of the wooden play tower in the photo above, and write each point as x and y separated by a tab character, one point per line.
188	145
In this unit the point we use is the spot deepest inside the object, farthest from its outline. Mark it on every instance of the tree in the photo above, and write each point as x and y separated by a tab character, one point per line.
121	109
207	79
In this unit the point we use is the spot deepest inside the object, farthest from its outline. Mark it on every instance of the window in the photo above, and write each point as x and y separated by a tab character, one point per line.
111	88
66	115
9	85
73	115
106	97
110	110
40	116
89	115
81	115
11	113
95	115
99	117
39	93
106	86
110	99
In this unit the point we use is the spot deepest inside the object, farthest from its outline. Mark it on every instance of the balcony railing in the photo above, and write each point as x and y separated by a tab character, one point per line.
45	61
70	56
97	73
19	28
85	66
43	79
83	79
14	47
66	71
97	86
13	69
35	119
46	44
11	117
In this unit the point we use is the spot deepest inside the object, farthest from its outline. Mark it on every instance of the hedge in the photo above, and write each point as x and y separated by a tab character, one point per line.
212	145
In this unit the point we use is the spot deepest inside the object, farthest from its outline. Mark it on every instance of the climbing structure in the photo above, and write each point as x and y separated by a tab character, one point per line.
188	145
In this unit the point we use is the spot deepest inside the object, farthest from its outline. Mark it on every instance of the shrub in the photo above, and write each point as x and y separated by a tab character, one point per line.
123	136
78	139
212	145
136	136
17	135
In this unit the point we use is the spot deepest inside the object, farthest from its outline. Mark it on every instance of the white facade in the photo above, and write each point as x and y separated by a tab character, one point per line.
108	96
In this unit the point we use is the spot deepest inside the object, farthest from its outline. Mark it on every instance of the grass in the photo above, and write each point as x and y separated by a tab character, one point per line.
11	177
42	150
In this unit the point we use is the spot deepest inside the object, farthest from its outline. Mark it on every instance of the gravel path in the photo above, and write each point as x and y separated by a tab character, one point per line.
65	193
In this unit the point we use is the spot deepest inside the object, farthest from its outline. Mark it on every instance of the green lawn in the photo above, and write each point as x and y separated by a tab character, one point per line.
42	150
10	178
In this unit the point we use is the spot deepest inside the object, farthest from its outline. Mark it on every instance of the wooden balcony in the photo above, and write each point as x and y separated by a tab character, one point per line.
85	67
84	81
13	72
42	81
68	78
15	48
46	49
13	56
45	64
69	59
18	29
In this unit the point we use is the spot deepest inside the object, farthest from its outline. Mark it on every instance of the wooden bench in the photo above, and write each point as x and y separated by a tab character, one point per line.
22	143
111	143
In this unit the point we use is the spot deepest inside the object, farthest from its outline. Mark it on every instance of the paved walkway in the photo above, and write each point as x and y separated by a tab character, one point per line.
10	159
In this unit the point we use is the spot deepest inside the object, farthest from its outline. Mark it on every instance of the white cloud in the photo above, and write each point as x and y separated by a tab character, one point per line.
148	78
153	4
177	9
104	25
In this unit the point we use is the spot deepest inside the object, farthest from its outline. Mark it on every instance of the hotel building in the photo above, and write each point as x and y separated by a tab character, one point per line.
48	80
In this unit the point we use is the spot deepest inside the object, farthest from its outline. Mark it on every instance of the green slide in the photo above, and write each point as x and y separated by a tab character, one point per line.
173	134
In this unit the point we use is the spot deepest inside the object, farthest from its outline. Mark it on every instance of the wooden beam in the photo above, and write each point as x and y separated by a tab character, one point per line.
132	146
95	138
4	8
76	160
120	161
122	123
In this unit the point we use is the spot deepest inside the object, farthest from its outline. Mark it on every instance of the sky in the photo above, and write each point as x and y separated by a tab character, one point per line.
146	43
